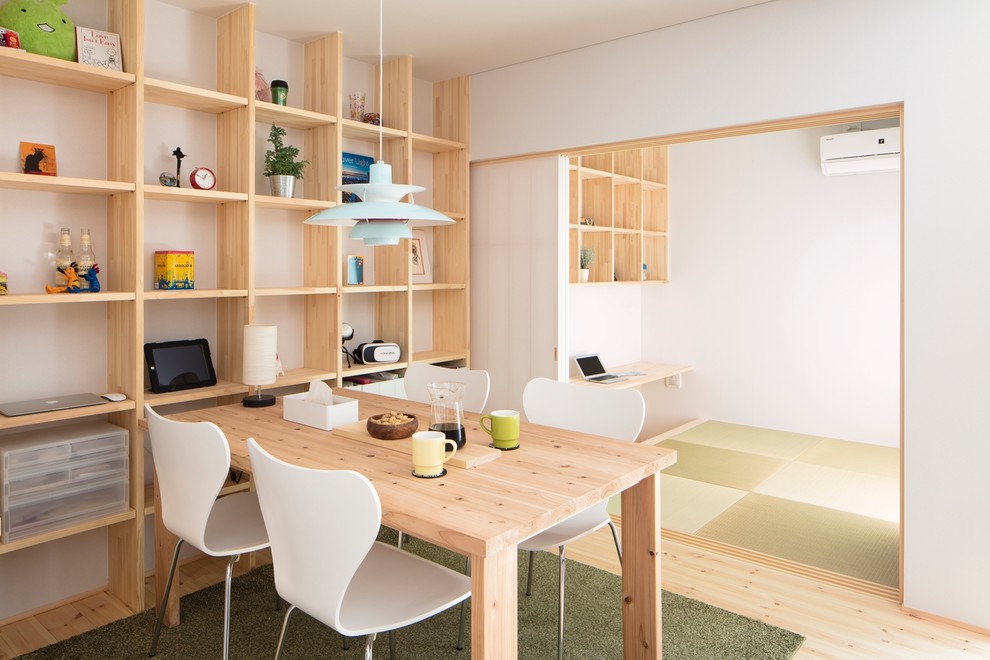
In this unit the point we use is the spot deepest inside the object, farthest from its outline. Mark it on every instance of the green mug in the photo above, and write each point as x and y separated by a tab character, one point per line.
503	426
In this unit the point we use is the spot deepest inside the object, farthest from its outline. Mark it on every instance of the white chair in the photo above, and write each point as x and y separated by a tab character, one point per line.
592	409
477	383
323	525
192	461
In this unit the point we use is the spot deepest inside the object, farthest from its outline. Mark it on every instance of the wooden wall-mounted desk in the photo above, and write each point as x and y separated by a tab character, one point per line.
651	371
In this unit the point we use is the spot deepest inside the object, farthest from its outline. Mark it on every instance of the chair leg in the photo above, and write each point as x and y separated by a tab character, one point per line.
560	610
460	630
226	606
367	646
281	635
391	645
615	538
401	538
529	577
161	606
347	642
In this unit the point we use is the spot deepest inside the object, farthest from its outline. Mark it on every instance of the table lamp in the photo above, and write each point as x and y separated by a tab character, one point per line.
259	364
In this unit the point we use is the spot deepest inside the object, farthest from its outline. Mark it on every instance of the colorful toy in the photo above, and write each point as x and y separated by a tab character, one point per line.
90	276
71	280
42	26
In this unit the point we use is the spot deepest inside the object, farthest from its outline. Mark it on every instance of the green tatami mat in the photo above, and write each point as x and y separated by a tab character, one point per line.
723	467
750	439
868	459
837	541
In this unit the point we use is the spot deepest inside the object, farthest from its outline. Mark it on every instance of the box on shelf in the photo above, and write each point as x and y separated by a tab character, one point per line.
295	408
57	477
175	269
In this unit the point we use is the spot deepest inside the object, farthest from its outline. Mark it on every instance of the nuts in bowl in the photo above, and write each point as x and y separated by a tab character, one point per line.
392	425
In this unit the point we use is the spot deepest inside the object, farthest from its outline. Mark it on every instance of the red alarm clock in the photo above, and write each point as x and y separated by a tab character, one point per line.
203	178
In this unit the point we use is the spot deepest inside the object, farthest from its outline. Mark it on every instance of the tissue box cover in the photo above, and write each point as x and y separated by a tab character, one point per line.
295	408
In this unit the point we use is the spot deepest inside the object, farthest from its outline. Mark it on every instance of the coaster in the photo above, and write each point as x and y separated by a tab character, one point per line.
500	449
435	476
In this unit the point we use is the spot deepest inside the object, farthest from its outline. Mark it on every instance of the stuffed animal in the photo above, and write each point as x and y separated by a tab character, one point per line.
42	26
71	280
90	276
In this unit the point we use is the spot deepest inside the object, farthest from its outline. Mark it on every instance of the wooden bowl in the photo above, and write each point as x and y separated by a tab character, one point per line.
392	431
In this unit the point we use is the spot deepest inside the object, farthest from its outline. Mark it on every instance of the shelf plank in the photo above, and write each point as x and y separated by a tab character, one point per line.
303	375
162	193
623	180
62	184
29	66
222	388
375	288
296	291
72	530
653	185
163	92
434	145
289	117
432	357
438	287
229	487
291	203
192	294
63	299
62	415
357	130
373	368
588	173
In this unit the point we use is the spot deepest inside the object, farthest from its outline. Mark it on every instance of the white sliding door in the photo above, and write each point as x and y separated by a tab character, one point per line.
518	273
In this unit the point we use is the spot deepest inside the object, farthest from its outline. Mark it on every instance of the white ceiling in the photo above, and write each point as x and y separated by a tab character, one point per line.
448	38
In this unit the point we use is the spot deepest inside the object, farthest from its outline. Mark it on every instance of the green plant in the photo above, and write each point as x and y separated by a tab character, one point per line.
282	160
587	257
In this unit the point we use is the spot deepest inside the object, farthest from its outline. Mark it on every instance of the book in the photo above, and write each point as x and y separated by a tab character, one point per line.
38	158
355	270
99	48
355	169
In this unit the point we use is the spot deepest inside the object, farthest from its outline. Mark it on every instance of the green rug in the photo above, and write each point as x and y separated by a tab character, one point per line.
593	625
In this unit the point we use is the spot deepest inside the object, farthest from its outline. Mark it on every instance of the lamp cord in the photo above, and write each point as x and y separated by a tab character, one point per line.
381	74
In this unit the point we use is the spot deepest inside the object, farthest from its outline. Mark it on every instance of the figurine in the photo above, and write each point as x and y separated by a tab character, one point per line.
178	165
90	276
71	280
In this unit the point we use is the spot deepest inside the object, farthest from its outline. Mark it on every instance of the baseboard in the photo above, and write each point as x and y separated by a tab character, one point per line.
927	616
785	565
677	430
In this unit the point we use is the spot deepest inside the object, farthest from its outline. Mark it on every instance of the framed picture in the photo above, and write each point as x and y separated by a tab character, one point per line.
419	258
38	159
355	168
98	48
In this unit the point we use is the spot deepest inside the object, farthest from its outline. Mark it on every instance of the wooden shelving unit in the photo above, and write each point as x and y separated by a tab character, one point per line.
624	194
236	208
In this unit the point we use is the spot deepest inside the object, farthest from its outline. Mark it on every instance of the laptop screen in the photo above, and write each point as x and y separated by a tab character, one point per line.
589	365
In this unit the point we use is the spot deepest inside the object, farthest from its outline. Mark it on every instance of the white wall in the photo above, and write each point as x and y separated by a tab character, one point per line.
798	57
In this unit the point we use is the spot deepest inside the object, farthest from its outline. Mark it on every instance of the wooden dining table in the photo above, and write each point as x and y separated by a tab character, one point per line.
483	507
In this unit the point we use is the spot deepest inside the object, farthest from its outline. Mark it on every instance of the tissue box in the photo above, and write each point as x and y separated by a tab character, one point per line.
295	408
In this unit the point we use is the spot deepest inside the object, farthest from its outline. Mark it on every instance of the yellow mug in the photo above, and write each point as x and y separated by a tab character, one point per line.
503	426
429	453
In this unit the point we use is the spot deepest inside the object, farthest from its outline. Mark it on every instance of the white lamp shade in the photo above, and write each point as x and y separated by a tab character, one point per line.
260	354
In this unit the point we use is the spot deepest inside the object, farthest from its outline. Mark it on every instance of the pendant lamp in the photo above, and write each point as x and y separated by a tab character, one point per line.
380	218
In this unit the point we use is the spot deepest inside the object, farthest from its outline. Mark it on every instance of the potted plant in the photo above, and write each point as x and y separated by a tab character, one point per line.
586	258
281	166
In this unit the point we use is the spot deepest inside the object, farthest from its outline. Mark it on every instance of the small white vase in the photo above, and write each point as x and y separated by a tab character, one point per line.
584	275
282	185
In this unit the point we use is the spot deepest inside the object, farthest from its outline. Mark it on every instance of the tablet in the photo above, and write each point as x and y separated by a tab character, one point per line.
179	365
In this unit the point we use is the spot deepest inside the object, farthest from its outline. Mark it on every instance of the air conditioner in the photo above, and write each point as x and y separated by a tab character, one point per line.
856	152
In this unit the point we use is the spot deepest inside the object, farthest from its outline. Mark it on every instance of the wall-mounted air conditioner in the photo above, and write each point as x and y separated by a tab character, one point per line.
856	152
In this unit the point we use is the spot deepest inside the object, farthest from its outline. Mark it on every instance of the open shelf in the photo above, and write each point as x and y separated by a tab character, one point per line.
28	66
289	117
163	92
63	415
222	388
64	298
162	193
65	532
62	184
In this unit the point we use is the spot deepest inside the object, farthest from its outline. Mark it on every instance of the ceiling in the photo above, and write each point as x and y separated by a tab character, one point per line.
448	38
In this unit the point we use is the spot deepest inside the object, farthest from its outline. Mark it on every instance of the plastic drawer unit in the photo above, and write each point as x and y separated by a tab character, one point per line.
57	477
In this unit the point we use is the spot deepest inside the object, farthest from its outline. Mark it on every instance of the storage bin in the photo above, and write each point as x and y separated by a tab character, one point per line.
57	477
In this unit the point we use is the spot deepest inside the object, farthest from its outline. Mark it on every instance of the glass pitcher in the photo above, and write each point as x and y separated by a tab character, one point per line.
445	410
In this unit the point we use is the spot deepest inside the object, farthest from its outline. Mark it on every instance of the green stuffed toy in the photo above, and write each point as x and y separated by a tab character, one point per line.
42	27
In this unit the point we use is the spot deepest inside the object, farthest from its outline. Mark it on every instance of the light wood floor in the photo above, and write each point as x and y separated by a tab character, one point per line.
837	623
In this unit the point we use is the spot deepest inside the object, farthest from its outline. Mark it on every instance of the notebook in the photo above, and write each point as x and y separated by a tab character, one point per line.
591	369
18	408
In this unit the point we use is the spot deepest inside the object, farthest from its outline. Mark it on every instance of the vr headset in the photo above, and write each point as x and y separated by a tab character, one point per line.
377	352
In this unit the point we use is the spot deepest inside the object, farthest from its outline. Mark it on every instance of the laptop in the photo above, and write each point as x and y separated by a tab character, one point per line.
591	369
18	408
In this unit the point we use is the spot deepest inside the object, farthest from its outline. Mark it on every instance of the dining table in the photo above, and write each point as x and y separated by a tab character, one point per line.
486	503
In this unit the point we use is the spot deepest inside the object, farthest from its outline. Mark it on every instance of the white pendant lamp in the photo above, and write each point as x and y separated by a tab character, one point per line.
379	218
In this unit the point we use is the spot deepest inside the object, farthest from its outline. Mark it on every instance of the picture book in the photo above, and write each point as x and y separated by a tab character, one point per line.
98	48
38	159
355	169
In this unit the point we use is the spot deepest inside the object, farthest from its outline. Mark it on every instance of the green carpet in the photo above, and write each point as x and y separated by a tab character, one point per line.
691	629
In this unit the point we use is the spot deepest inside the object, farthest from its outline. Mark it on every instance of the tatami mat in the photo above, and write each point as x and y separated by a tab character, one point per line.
722	467
855	456
846	543
843	490
686	504
749	439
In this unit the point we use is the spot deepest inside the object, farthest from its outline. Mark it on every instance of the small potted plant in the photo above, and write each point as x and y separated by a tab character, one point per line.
281	166
586	258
